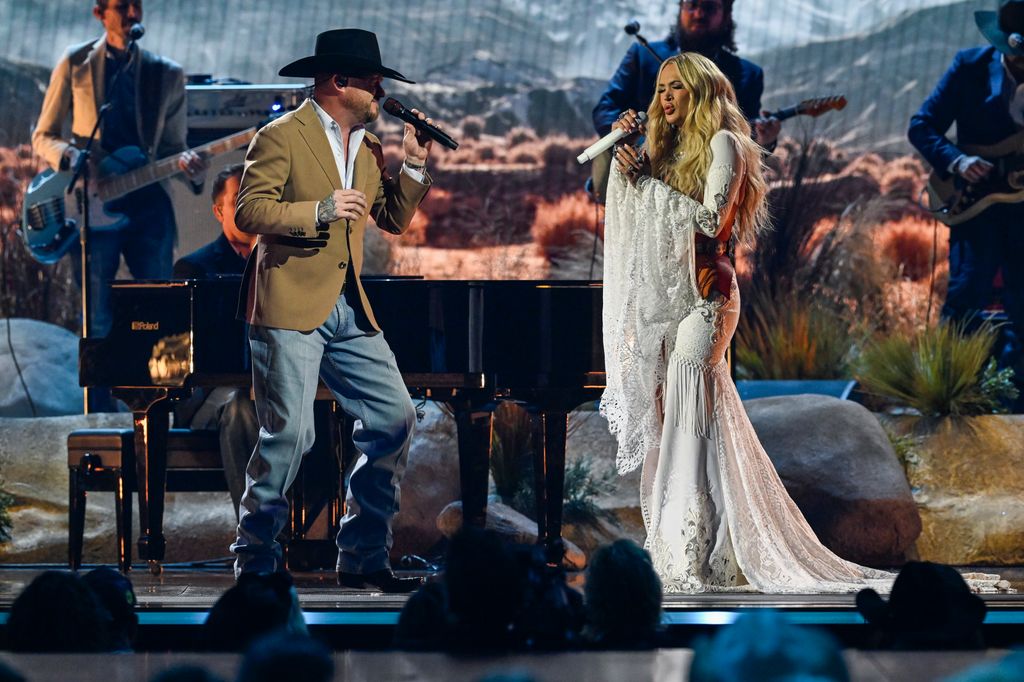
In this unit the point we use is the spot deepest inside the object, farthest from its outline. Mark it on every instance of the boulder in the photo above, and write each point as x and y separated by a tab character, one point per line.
47	356
34	466
967	476
430	483
509	524
838	465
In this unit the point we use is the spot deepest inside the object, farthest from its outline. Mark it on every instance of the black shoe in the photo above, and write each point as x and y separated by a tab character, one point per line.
383	580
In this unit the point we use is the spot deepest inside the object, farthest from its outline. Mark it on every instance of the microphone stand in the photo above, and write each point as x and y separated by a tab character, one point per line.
643	41
82	171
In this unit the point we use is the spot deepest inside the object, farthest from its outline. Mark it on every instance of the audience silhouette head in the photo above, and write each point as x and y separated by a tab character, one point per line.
930	607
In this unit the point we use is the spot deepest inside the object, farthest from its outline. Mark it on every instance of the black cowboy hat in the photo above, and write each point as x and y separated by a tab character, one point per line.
1005	28
348	51
930	604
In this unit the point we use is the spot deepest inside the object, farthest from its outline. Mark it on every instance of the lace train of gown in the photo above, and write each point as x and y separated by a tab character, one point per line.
716	512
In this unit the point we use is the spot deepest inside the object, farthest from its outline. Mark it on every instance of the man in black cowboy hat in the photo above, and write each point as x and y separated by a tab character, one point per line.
311	180
930	607
983	93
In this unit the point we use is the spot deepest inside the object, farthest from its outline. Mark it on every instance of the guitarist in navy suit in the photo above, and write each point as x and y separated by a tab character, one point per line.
982	92
148	112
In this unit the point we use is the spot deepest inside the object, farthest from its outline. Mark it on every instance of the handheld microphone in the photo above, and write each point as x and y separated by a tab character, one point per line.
591	152
1016	41
396	109
136	31
632	28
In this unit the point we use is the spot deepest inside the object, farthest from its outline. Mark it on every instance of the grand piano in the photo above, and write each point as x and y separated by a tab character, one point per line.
468	344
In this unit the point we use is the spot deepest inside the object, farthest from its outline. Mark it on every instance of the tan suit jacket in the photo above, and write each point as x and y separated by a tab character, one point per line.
76	86
298	268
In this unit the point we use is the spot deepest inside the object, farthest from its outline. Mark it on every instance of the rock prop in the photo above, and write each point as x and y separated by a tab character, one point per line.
967	476
431	481
838	465
509	524
34	464
48	358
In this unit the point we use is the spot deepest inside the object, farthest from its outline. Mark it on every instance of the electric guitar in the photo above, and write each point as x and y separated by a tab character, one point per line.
954	200
811	107
52	216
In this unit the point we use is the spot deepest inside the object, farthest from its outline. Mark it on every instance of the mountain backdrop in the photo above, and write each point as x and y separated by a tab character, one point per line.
523	62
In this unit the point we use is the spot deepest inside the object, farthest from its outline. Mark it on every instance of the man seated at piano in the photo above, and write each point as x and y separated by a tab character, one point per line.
229	411
225	255
312	179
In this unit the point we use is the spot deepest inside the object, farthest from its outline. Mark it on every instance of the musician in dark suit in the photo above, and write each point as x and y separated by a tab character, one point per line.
225	255
227	410
703	26
148	111
982	92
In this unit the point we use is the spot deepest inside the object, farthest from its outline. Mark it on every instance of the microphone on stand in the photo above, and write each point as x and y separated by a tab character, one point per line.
136	31
591	152
633	29
397	109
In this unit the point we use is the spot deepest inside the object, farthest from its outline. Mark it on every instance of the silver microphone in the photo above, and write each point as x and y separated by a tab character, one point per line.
591	152
136	31
1016	41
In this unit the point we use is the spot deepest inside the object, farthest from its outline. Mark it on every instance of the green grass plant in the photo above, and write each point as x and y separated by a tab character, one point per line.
942	371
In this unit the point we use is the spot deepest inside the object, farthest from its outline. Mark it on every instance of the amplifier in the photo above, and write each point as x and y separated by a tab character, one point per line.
221	109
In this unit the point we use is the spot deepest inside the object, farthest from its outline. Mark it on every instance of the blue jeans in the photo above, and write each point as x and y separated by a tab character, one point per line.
359	369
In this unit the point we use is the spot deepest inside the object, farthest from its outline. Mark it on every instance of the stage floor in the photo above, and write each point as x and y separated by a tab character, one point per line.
182	596
663	665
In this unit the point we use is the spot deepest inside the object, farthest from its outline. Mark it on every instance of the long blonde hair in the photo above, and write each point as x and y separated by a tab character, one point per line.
681	156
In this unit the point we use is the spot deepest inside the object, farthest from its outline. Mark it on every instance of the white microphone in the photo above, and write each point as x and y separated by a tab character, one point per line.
591	152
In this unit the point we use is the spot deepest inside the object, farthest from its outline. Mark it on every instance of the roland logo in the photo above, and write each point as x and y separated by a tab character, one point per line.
143	326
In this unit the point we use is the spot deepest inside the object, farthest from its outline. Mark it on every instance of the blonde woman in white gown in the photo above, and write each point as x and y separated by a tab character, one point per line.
716	513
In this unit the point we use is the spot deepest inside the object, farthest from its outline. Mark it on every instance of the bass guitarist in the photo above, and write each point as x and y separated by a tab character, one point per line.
148	112
983	93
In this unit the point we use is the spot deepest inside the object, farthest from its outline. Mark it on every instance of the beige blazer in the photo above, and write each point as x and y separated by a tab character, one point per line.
76	87
298	268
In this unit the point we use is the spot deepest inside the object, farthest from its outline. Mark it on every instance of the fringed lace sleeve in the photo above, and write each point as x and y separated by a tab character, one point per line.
721	189
648	287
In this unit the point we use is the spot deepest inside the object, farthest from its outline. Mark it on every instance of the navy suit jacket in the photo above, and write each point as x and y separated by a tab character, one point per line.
635	81
216	258
975	94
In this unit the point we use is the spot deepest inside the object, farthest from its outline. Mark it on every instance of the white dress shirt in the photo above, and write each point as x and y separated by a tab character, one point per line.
346	158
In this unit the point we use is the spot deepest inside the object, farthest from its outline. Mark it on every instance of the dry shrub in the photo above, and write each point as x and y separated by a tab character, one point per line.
564	223
520	135
472	127
903	177
559	151
869	165
434	206
524	154
487	152
908	243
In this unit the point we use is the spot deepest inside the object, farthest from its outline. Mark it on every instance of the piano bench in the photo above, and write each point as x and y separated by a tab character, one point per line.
104	460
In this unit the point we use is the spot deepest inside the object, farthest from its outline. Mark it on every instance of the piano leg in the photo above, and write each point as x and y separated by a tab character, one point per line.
474	423
549	482
151	419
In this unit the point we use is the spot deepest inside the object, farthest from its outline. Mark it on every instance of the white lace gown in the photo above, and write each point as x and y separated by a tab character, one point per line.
716	513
